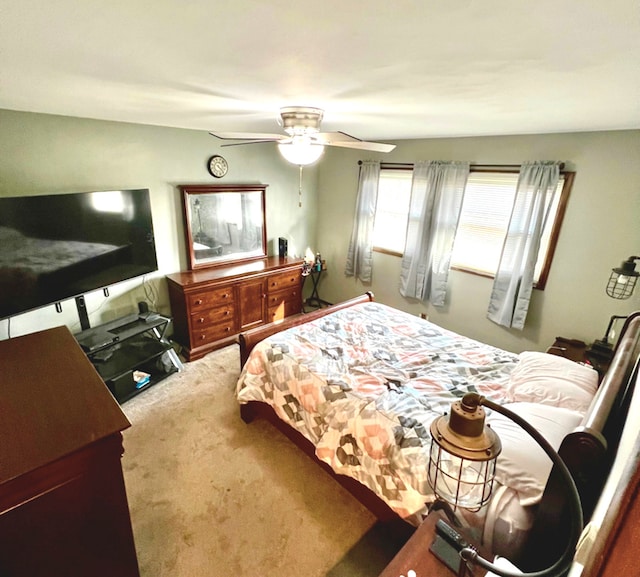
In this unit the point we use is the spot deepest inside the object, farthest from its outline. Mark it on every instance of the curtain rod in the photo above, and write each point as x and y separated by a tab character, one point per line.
480	166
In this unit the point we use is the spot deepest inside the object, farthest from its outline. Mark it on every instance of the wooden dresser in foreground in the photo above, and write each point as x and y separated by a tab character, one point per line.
63	505
211	306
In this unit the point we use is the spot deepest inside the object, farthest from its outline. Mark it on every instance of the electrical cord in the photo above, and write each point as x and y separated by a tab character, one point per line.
150	292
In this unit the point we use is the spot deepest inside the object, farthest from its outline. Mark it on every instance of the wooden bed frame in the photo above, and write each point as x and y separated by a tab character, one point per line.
588	451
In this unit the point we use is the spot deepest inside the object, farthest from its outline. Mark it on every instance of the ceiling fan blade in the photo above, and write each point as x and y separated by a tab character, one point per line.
345	140
363	145
263	137
242	143
329	137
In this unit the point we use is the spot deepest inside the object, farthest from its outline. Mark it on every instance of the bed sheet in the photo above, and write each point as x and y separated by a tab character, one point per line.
364	384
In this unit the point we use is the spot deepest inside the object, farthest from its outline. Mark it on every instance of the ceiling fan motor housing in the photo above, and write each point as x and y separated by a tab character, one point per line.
301	120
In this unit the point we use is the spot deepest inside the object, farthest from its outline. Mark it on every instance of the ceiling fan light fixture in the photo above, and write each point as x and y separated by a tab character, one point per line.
301	152
301	120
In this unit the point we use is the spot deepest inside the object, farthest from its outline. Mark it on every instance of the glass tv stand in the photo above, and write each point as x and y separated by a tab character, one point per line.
131	353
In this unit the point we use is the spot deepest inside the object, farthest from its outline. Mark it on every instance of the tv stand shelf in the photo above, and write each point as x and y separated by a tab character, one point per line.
127	349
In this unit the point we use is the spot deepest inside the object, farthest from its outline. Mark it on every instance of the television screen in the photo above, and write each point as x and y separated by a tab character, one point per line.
56	247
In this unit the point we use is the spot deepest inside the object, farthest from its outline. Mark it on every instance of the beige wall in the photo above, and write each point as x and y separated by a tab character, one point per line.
600	230
53	154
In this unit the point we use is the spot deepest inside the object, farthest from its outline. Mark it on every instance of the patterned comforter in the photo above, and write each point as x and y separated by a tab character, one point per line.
364	384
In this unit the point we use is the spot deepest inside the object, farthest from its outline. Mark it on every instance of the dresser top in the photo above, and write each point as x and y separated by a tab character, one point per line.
269	264
52	401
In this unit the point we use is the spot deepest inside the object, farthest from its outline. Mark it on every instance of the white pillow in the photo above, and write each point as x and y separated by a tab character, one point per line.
552	380
522	464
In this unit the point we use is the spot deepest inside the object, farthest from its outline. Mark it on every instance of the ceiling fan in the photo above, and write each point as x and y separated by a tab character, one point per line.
303	142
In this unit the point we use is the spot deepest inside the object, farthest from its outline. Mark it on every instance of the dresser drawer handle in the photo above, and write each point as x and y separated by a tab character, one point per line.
225	296
203	337
226	313
199	302
201	320
227	329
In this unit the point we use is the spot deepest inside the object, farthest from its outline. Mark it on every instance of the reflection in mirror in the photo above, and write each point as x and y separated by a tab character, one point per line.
224	224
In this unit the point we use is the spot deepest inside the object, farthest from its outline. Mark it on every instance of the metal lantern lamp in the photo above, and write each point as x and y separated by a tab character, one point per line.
623	279
462	460
462	466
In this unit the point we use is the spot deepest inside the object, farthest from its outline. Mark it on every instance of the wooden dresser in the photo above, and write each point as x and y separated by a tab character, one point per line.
63	505
211	306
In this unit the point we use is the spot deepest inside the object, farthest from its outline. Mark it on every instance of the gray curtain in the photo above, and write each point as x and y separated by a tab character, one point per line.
360	255
513	283
437	191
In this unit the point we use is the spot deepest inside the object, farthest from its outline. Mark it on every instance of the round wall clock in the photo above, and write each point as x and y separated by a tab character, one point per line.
217	166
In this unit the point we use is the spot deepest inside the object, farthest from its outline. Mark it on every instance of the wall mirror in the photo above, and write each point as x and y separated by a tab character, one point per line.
224	224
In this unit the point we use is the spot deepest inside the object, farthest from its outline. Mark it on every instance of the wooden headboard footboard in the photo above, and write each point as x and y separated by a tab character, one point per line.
251	338
589	452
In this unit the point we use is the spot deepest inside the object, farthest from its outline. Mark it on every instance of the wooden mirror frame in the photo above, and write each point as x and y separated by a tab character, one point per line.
202	228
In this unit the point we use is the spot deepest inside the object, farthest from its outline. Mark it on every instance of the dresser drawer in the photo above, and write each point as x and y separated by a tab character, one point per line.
274	299
213	333
283	309
210	298
223	314
283	304
283	280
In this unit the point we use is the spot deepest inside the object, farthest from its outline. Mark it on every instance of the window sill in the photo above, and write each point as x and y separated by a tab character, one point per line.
536	286
387	251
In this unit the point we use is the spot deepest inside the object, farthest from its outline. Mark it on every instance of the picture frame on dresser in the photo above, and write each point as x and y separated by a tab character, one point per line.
224	224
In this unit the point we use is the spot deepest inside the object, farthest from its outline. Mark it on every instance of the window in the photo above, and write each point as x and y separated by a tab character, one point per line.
483	221
392	210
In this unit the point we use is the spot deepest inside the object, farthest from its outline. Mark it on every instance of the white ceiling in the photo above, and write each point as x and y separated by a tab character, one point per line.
380	69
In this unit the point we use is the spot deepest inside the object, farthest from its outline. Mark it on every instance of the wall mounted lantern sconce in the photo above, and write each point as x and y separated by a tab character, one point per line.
623	279
620	286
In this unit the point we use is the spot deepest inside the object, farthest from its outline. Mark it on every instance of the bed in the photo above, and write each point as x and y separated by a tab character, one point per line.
357	385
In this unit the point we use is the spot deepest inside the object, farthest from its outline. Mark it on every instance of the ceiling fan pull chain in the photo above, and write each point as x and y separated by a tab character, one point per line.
300	189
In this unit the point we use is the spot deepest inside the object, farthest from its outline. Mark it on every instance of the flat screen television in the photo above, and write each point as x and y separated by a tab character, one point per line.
61	246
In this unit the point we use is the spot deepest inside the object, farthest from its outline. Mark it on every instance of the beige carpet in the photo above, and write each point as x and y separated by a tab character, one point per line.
211	496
